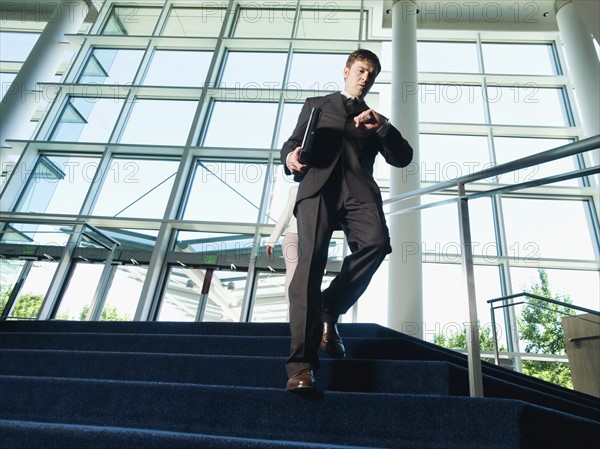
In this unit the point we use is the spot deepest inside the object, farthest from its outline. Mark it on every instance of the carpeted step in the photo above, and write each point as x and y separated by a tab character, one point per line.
37	435
168	327
380	420
163	343
363	340
383	376
498	381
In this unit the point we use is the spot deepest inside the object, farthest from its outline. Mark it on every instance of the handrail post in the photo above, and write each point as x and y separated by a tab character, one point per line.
473	349
495	335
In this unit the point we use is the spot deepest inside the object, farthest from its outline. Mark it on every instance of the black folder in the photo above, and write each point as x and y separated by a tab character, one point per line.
310	135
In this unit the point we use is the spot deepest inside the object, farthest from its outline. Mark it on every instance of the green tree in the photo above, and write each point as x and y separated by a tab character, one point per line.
540	327
109	313
26	306
458	340
4	294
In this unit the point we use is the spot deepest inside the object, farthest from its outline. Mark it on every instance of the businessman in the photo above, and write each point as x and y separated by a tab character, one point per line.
337	191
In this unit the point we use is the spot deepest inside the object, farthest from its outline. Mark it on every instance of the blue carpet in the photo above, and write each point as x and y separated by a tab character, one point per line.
79	385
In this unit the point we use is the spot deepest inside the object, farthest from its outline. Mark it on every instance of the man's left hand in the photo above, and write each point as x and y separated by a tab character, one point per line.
368	120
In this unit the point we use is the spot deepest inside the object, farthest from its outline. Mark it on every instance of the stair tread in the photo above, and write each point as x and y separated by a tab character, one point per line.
185	378
74	436
258	411
366	375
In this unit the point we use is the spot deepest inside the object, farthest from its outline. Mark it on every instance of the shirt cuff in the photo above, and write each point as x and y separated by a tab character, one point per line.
287	160
383	129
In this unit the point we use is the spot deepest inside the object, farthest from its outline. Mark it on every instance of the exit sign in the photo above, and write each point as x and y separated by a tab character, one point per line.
210	260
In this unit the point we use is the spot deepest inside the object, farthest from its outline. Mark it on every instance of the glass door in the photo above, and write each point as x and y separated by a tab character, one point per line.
23	287
202	294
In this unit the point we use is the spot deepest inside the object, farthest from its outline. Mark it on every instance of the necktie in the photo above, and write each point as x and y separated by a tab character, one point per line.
351	103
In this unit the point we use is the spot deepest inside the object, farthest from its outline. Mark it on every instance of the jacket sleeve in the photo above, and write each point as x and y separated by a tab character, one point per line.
297	136
395	149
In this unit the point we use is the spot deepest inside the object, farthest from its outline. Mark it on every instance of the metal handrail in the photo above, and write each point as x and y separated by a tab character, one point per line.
570	149
528	295
462	197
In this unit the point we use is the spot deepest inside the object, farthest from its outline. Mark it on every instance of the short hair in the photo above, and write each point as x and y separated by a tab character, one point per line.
363	54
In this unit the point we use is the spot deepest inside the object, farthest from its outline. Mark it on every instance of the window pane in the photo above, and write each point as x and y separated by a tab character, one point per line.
238	187
445	308
270	22
270	303
131	20
521	59
583	287
134	242
527	105
513	148
183	296
159	122
194	22
536	229
191	68
373	304
445	157
87	119
452	57
10	270
31	295
58	184
253	123
76	300
254	70
289	118
443	242
120	307
314	71
136	188
328	22
35	234
6	80
225	296
111	66
453	103
16	46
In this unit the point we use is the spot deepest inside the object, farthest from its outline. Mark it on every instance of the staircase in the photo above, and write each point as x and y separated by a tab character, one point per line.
151	385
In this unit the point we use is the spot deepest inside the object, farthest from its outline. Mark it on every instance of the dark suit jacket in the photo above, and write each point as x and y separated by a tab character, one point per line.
336	138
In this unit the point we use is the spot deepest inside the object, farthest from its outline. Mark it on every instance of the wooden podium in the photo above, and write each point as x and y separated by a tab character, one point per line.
582	340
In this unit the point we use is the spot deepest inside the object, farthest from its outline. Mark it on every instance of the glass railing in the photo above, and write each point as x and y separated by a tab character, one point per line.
462	199
552	340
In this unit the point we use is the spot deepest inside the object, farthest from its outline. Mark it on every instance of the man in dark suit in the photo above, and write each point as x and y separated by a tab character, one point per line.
337	191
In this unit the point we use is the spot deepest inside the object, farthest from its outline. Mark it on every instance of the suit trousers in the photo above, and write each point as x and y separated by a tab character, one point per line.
364	226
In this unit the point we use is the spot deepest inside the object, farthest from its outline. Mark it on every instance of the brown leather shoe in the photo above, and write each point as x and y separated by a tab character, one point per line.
302	381
331	342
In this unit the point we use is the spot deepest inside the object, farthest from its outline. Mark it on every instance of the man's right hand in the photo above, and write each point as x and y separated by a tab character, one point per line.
293	163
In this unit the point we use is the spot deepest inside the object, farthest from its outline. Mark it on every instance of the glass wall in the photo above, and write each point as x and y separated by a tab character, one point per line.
166	137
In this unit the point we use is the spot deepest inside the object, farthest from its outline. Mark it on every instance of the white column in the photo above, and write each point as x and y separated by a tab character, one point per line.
405	292
23	96
583	65
584	71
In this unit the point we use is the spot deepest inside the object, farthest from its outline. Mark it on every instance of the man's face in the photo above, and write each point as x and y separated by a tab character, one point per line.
359	78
